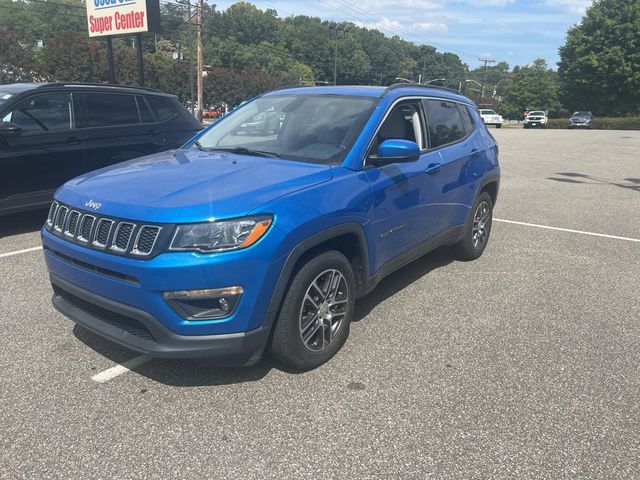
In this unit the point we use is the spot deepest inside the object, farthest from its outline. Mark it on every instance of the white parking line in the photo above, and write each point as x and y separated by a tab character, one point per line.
18	252
593	234
124	367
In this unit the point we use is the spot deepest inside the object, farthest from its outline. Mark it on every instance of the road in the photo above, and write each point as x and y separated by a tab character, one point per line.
523	364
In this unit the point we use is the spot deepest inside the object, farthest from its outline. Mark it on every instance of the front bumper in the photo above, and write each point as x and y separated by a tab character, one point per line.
121	298
136	329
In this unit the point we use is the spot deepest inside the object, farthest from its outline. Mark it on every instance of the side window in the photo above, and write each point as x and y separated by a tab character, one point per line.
143	108
109	109
42	113
467	119
403	123
445	122
161	109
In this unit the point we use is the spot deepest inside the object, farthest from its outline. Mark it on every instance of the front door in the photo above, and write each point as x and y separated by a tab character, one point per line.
400	215
46	154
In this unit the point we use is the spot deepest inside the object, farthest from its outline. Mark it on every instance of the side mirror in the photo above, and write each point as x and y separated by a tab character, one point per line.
8	129
397	151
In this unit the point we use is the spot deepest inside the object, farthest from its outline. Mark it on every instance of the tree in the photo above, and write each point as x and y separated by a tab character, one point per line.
73	57
534	86
600	62
16	61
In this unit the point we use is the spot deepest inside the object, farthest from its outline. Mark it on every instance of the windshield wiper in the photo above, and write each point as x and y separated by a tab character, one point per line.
241	150
197	144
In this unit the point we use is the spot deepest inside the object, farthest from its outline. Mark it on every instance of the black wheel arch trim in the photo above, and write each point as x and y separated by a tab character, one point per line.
350	228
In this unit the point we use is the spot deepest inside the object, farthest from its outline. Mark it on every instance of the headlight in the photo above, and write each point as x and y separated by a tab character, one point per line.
220	235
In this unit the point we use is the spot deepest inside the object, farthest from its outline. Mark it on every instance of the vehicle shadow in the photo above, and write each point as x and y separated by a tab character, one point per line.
194	373
19	223
401	279
571	177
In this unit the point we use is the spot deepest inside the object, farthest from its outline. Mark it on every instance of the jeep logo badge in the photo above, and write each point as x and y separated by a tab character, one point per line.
93	204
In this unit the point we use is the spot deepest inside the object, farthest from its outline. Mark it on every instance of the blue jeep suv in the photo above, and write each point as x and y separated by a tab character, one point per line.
262	231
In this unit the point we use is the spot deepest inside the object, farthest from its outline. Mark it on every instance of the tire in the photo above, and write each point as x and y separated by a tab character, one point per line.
470	248
499	125
308	297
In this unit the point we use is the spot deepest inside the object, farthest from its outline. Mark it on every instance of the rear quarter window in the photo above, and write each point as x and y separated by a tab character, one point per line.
467	119
145	111
162	109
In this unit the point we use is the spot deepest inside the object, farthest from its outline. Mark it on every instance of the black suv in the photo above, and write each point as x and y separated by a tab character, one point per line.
52	132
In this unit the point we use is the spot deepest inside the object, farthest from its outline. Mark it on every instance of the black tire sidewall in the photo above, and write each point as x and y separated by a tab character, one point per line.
464	249
483	197
287	345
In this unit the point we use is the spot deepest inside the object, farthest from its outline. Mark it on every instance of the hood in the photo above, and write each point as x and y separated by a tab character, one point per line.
182	186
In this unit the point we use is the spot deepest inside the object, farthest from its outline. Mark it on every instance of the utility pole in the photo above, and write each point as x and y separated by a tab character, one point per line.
486	61
190	46
199	108
338	28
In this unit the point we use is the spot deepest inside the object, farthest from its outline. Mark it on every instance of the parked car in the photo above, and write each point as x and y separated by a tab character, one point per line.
52	132
581	119
490	117
233	245
536	119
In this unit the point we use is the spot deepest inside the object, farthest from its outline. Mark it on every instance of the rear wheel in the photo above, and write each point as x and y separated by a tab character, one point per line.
316	312
477	231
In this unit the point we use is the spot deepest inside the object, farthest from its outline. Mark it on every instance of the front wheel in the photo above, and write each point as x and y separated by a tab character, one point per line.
316	312
499	125
477	230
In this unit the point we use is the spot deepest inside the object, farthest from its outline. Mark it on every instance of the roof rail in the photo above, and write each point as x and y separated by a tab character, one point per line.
395	86
287	87
95	84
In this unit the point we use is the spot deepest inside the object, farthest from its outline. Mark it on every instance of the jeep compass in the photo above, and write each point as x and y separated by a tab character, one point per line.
261	232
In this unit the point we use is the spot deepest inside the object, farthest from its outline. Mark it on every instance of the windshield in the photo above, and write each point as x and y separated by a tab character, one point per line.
312	128
539	114
580	114
4	97
487	112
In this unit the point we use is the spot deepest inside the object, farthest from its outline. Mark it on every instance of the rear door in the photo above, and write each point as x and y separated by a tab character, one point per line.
111	123
45	155
451	134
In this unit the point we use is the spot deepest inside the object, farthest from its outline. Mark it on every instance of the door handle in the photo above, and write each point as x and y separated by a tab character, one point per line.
433	168
153	132
74	140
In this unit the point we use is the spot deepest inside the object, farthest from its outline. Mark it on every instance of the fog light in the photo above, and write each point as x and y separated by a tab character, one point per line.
206	304
224	304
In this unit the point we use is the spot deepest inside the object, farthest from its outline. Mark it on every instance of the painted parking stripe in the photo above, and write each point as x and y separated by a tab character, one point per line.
581	232
18	252
124	367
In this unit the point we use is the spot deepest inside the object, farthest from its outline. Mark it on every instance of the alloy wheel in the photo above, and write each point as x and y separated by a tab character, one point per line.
323	309
481	219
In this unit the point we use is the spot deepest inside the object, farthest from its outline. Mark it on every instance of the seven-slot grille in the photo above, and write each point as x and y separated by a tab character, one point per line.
103	233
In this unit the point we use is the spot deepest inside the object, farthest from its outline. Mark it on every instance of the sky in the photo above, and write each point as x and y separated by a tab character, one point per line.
515	31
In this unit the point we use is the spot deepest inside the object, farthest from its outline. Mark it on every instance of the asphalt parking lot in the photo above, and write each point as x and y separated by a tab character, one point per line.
523	364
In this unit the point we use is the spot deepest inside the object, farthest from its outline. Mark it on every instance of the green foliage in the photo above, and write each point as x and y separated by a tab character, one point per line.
533	86
71	56
600	61
602	123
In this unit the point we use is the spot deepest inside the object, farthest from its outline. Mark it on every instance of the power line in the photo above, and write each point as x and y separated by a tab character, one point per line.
392	26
